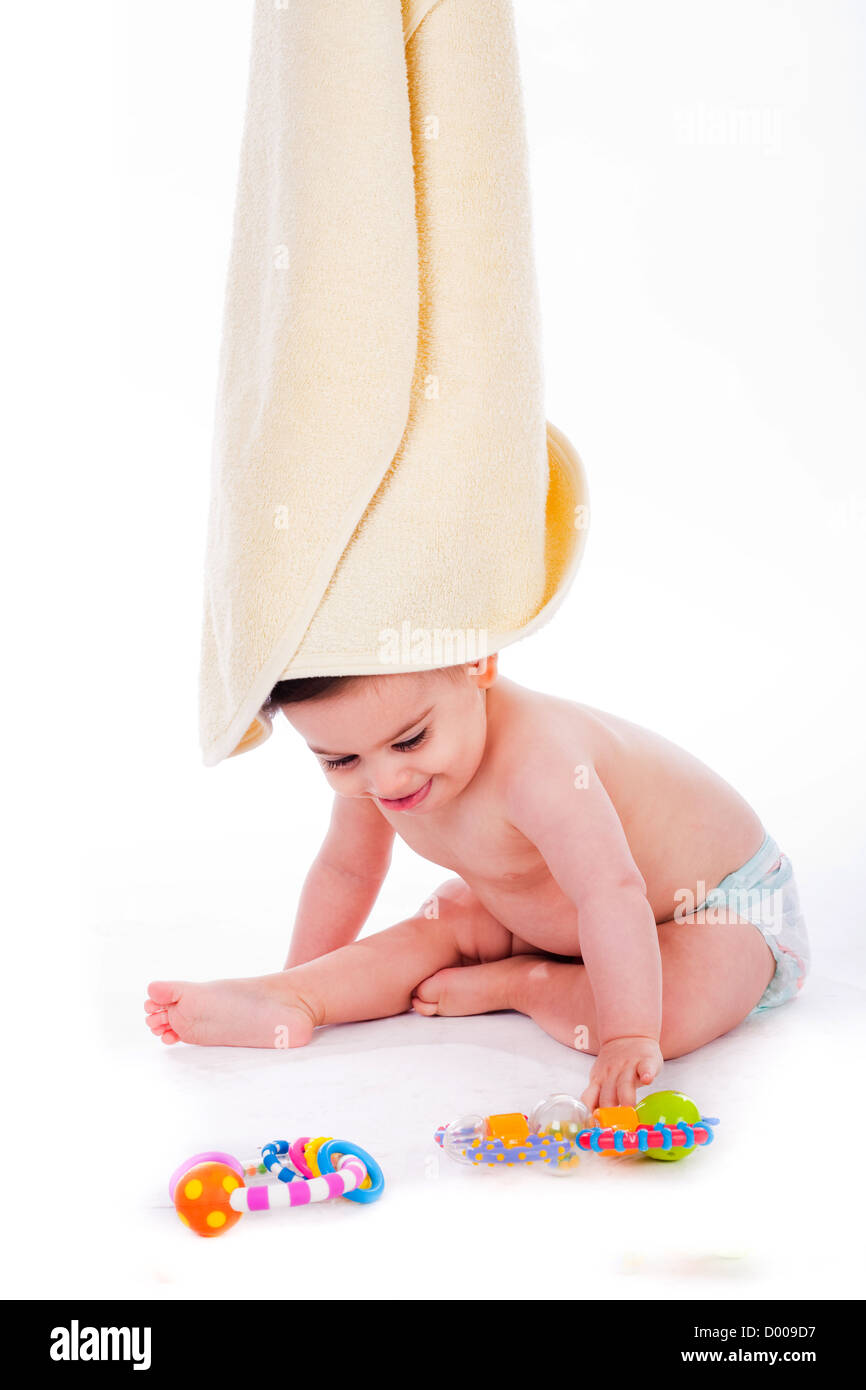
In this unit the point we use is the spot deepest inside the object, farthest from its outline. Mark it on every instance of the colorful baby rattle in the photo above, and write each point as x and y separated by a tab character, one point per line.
210	1193
665	1125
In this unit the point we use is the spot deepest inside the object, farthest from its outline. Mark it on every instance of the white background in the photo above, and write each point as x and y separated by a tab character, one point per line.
699	219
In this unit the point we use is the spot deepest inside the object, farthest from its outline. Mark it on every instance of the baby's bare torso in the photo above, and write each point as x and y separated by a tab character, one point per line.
684	824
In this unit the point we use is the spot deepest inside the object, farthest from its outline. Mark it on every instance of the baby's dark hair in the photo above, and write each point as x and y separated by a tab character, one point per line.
292	692
303	688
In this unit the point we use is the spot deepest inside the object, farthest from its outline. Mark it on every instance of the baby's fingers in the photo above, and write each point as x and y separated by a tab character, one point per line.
639	1073
648	1067
627	1087
608	1090
601	1086
646	1074
602	1083
620	1090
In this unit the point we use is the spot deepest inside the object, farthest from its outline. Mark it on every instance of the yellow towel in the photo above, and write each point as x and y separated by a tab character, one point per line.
386	492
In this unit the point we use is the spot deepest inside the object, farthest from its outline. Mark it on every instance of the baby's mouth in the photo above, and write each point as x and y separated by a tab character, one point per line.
405	803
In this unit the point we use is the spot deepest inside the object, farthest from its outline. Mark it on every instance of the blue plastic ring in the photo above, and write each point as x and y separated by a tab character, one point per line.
667	1138
377	1177
708	1125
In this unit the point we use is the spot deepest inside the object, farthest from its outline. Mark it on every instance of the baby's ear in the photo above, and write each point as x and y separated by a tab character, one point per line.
485	670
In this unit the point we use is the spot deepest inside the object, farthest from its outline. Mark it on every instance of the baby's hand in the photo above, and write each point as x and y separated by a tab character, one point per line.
621	1066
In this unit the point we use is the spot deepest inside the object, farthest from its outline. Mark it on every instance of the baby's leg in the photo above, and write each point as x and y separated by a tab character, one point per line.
371	978
553	992
713	974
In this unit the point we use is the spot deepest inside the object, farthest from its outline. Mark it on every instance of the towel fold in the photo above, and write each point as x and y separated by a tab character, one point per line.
386	493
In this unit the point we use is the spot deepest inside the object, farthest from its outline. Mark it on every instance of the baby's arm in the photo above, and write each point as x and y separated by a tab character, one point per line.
580	836
343	881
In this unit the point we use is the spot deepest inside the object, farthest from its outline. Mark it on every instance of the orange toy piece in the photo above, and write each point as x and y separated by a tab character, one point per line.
201	1198
616	1117
511	1129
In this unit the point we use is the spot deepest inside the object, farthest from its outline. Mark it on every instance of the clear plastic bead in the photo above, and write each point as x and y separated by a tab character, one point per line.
560	1117
462	1136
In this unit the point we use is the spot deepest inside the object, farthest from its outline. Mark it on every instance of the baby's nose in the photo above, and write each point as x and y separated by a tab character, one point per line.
393	788
394	792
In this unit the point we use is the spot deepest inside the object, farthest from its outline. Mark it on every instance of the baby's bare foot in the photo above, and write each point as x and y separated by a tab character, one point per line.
469	989
259	1012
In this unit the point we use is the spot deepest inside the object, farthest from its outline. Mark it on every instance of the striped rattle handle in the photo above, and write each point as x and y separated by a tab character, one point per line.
349	1175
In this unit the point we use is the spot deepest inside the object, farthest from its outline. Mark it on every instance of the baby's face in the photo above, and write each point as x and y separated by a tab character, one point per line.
410	741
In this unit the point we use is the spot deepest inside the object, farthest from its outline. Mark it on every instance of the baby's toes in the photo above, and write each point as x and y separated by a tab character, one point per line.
163	999
162	993
425	997
160	1027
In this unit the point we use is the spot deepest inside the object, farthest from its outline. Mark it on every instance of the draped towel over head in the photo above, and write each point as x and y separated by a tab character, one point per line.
386	492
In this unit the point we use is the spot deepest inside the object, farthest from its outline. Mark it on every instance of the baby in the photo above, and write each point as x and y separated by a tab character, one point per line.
582	847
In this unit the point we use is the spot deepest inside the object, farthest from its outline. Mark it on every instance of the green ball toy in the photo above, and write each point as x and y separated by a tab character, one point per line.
668	1108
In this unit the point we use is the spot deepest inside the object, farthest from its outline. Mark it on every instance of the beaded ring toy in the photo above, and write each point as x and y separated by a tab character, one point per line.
665	1125
210	1194
348	1155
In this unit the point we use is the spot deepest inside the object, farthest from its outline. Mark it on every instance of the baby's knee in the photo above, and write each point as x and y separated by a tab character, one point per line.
477	933
454	890
450	900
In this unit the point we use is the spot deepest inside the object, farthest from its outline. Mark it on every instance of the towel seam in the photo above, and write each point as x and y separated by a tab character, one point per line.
418	11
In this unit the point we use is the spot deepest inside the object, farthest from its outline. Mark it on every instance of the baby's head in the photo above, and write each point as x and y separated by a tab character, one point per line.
393	737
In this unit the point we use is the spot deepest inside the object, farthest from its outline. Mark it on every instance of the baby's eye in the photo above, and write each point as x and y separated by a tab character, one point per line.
411	742
331	763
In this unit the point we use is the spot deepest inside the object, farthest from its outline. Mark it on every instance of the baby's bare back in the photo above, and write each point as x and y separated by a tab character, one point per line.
684	824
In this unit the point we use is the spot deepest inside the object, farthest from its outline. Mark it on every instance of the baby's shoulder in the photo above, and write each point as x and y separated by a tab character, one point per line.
546	747
543	725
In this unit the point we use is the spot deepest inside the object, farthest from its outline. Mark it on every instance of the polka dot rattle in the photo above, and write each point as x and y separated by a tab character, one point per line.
210	1192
